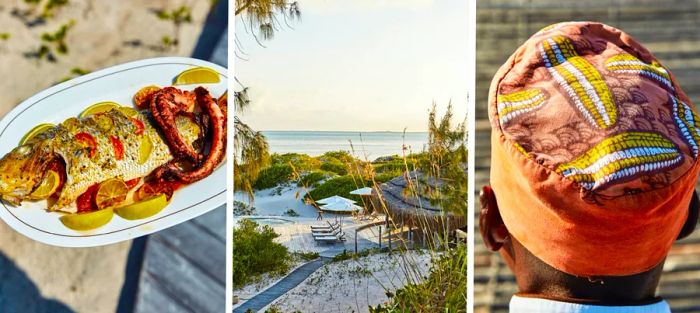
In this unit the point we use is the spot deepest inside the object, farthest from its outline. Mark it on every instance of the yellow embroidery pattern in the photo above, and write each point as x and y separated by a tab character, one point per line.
514	104
621	156
627	63
687	123
583	83
521	149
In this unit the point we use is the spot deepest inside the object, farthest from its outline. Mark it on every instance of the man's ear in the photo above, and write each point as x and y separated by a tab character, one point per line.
491	226
692	221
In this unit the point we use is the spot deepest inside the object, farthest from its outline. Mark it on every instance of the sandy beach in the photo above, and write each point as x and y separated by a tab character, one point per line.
353	285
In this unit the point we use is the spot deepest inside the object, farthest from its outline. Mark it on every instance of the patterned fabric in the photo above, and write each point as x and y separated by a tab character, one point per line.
608	90
621	157
513	104
581	81
687	123
594	150
628	64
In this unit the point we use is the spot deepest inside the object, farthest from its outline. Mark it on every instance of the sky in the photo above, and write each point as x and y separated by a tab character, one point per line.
361	65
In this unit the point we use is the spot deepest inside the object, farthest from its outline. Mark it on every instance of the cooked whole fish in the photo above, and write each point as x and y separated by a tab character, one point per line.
93	149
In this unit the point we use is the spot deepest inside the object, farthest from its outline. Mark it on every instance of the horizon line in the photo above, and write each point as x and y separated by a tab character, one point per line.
346	131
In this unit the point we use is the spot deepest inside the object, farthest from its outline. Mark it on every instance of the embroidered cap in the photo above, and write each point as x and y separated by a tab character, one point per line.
594	150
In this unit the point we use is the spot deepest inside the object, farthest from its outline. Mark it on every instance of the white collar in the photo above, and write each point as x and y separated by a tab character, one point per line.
536	305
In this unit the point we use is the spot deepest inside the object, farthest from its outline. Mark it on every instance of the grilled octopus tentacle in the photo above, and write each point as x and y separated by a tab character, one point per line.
215	113
218	140
167	104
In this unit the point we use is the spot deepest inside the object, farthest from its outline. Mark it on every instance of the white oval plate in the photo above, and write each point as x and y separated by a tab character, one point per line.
68	99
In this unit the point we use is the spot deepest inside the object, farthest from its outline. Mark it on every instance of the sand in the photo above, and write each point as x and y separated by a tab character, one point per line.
100	38
353	285
41	278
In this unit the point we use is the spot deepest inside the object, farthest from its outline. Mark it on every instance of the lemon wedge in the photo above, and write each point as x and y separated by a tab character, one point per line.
111	193
197	75
48	186
99	107
141	97
143	209
145	149
35	131
87	221
129	112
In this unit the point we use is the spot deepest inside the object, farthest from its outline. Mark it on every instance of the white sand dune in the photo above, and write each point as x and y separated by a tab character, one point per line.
353	285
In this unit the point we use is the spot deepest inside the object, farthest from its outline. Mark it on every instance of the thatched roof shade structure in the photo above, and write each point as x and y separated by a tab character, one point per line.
403	199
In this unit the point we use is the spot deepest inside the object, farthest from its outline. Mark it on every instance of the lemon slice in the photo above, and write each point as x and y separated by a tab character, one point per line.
99	107
111	193
35	131
145	149
87	221
143	209
197	75
129	112
104	122
48	186
141	97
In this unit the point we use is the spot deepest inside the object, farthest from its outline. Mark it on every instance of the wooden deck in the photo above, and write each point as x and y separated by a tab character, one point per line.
668	28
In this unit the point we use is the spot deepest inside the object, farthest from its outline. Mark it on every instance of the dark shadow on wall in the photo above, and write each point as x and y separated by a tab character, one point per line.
18	293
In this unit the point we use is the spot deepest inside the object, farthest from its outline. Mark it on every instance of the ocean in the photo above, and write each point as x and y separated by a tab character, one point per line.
366	145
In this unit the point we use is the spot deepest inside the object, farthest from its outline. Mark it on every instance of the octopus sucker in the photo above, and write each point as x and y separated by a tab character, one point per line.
214	121
166	105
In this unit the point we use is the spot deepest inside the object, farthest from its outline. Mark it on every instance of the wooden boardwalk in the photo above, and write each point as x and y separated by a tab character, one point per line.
288	283
668	28
184	267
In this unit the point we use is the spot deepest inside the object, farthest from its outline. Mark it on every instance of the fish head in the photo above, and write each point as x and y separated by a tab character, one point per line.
22	170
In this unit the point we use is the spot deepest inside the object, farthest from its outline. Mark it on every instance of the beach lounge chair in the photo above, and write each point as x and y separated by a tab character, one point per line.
330	239
330	225
325	231
332	228
323	234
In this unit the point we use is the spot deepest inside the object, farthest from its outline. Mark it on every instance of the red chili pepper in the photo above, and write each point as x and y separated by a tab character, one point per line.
86	201
132	183
118	147
89	141
139	126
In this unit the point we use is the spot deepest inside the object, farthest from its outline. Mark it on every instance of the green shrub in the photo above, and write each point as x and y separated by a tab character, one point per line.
337	156
301	162
242	208
335	167
345	255
291	213
255	253
312	179
341	186
393	166
385	177
272	176
308	256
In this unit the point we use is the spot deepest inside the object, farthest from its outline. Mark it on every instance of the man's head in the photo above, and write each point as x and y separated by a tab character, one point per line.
594	163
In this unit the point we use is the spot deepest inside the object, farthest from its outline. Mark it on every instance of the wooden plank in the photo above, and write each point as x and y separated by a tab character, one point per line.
152	298
168	269
214	223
